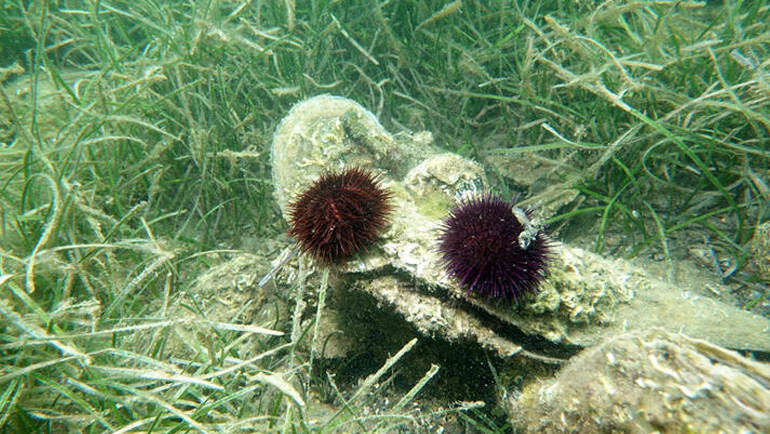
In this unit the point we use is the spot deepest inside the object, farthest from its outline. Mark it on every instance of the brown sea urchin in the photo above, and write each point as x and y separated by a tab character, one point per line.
340	214
491	248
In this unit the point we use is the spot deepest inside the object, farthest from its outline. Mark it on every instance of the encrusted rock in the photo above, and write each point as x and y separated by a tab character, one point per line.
585	297
650	381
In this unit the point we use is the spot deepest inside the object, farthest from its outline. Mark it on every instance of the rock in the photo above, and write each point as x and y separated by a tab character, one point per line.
584	298
650	381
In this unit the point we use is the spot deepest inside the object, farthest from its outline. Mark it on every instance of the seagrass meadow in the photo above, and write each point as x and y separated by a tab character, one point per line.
139	210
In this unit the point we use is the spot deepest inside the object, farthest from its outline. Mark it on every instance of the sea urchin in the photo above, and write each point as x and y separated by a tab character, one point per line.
492	248
340	214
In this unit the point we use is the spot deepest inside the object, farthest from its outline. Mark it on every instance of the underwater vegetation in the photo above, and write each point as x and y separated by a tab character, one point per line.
140	205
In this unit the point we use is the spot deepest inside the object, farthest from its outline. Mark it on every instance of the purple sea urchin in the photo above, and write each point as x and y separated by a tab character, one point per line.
340	214
491	251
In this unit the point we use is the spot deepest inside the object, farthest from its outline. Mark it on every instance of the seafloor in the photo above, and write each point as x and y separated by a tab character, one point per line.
149	158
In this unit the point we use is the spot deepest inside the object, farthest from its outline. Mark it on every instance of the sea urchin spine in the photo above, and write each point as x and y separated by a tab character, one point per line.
491	251
340	214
